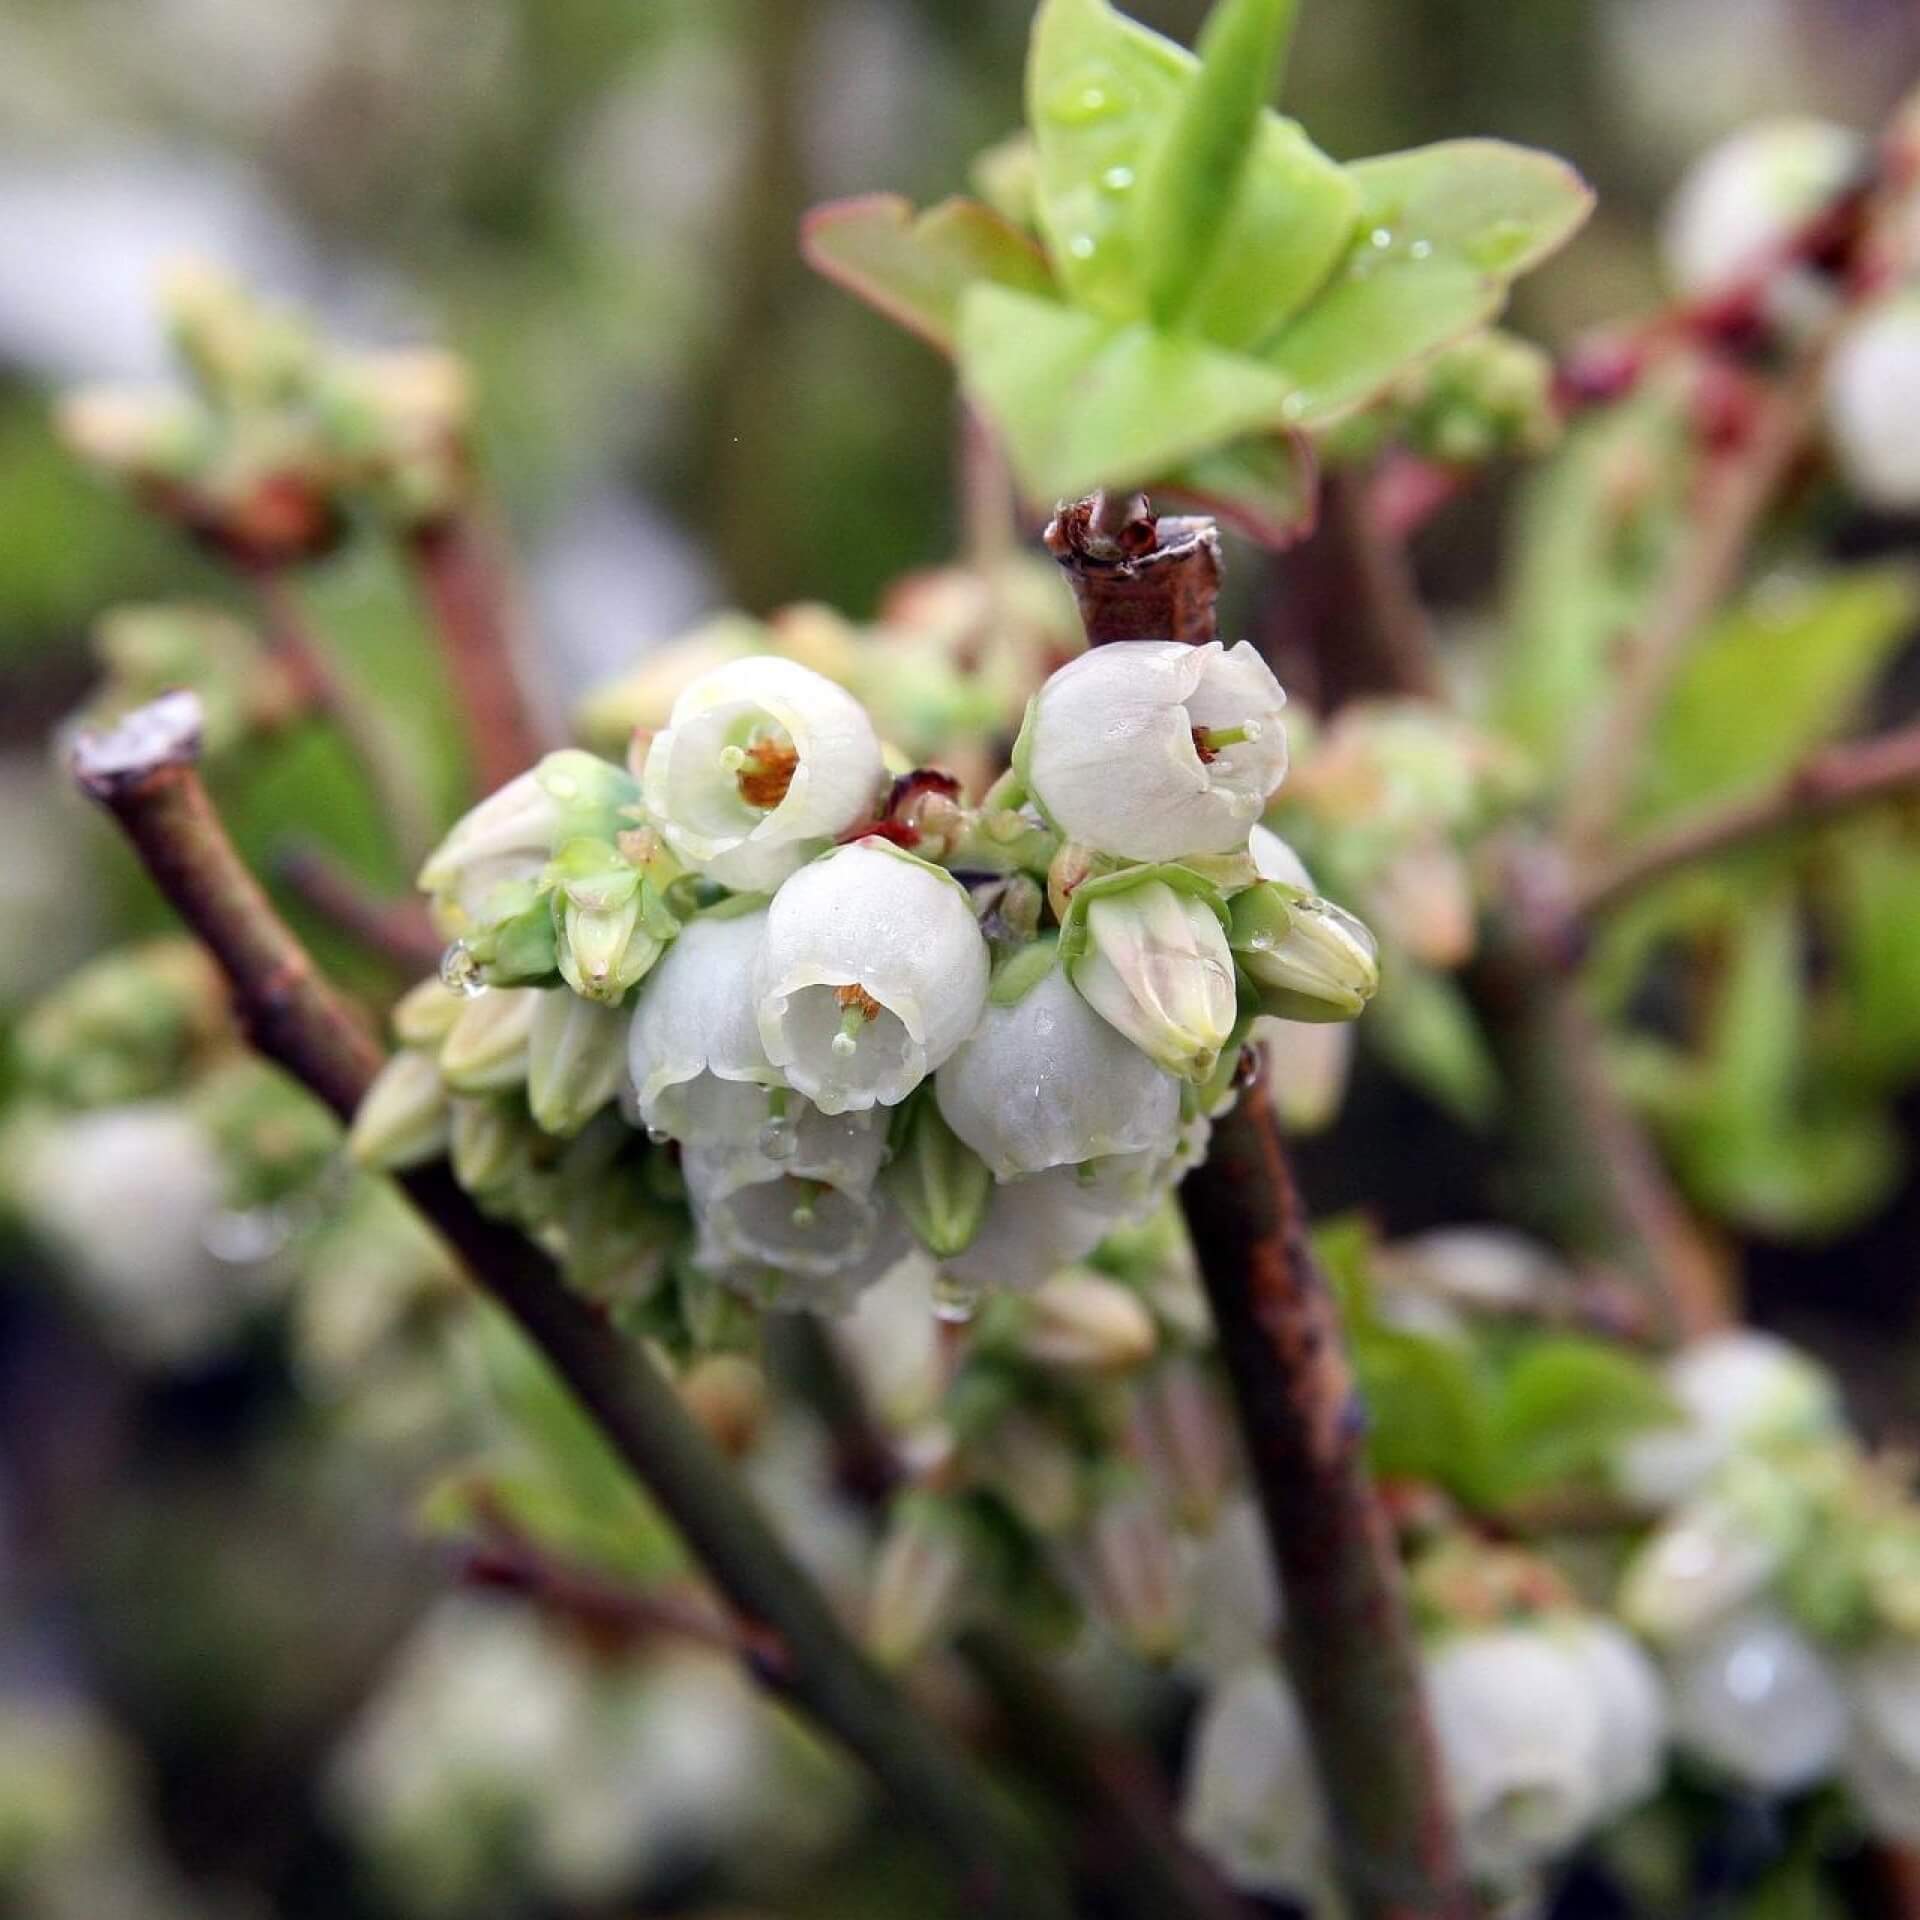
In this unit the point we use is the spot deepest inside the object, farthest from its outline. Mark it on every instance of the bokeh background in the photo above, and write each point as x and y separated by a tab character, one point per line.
596	205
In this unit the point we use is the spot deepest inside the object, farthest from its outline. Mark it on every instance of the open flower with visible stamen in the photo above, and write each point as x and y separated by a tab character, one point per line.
1154	750
700	1072
873	971
763	763
1048	1082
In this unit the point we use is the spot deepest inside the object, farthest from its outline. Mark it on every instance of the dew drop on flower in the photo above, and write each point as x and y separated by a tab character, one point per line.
460	971
954	1300
244	1236
778	1138
1117	179
659	1136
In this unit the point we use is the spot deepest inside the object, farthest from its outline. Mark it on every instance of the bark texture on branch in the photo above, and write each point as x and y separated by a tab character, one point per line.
1350	1644
144	772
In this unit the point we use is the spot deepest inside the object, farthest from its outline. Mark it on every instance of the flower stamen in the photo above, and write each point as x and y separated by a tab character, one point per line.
1210	742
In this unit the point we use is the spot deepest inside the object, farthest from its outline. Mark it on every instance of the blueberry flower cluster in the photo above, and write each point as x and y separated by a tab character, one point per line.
849	1014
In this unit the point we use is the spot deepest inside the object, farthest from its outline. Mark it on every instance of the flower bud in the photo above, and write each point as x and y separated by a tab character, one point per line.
761	765
939	1185
1519	1729
1080	1322
485	1050
1758	1701
1745	198
728	1396
489	1145
1152	959
1716	1553
1252	1802
1135	1578
872	973
576	1058
1181	1430
1311	960
613	926
405	1118
424	1015
1873	404
1046	1082
512	834
918	1582
1151	749
1029	1464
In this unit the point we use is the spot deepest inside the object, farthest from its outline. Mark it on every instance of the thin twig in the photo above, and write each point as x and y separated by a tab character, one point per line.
1827	786
1382	639
322	686
470	600
1349	1642
1746	485
400	931
144	773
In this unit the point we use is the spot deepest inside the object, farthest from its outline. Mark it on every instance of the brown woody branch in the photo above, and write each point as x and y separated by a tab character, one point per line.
400	931
144	773
1350	1642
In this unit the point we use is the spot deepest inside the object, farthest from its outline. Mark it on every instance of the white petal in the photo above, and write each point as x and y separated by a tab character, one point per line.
1759	1701
1034	1227
1633	1710
1047	1082
1157	966
1111	752
904	933
1274	859
1882	1765
1873	404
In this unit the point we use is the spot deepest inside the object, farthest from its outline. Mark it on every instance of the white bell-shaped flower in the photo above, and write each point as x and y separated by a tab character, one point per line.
1745	197
833	1277
699	1070
1153	750
1155	963
1633	1710
1047	1082
1758	1700
810	1208
1251	1800
1033	1227
1520	1733
1736	1390
1873	404
763	763
1714	1555
873	972
1882	1765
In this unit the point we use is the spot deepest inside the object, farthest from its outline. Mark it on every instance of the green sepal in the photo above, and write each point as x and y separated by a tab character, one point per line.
1022	970
1074	934
939	1184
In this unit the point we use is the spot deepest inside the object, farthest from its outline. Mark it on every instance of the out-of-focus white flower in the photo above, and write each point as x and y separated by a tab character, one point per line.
1746	196
1736	1390
1048	1082
1152	750
1040	1223
919	1580
1154	961
1633	1710
1873	404
512	834
894	1340
1236	1613
1251	1801
1490	1269
1882	1764
763	763
127	1194
1082	1322
1307	1064
1521	1735
486	1048
1422	898
1714	1555
1759	1701
1132	1571
872	973
699	1069
576	1055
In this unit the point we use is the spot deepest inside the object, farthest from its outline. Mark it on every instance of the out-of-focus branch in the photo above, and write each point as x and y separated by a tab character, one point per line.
470	601
144	773
1349	1642
400	931
1826	786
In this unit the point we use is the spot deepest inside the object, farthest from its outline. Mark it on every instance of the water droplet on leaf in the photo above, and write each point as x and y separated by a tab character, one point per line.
460	971
955	1301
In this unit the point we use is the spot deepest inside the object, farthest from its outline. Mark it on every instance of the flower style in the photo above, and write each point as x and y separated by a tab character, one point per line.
1154	750
1048	1082
700	1072
763	763
1149	954
873	971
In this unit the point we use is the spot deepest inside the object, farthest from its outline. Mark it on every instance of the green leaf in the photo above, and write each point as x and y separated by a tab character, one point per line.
1084	402
1191	179
1265	486
914	268
1442	233
1104	100
1422	1025
1783	672
1876	879
1426	1404
1563	1408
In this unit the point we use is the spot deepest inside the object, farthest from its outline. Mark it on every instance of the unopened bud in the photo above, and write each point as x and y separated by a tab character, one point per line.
489	1145
1083	1323
728	1396
1029	1464
1183	1434
1136	1577
918	1581
424	1015
405	1118
939	1184
485	1050
612	927
1310	959
576	1054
